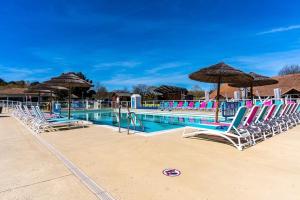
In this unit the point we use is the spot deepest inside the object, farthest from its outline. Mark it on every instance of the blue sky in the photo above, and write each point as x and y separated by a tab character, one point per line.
122	43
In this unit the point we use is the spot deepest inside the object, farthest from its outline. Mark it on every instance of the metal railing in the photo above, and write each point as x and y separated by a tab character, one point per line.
134	120
8	105
155	104
98	104
131	119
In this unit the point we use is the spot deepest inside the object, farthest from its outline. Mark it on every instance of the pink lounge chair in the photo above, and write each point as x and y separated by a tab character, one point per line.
203	105
268	103
180	104
270	113
191	105
251	115
248	104
284	110
215	105
171	103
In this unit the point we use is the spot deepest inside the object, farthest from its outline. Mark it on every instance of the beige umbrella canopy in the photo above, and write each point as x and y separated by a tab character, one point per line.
68	80
258	80
44	86
220	73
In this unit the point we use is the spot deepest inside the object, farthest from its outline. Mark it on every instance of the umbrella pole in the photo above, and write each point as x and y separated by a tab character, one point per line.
51	99
39	98
251	91
69	103
218	97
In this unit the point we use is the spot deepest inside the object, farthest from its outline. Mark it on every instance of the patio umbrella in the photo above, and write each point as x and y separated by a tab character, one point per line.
44	88
258	80
68	80
220	73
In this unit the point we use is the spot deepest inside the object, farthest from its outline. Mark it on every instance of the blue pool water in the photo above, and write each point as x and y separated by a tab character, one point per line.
150	122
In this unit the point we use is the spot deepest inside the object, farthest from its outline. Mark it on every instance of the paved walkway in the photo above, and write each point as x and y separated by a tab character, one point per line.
29	171
130	166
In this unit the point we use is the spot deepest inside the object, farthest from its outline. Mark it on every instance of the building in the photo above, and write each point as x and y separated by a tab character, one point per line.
19	94
289	85
171	92
120	97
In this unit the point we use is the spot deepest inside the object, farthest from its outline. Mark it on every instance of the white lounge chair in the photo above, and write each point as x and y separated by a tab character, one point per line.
237	137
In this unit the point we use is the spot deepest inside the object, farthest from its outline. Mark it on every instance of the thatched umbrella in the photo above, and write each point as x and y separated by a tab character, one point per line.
220	73
44	88
69	80
258	80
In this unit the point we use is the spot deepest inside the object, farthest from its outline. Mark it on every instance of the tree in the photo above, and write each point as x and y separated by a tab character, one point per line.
12	83
125	89
289	69
20	83
82	92
34	83
150	93
141	89
147	92
2	82
197	91
101	92
90	94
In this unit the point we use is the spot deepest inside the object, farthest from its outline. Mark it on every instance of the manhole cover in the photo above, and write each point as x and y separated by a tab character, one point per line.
171	172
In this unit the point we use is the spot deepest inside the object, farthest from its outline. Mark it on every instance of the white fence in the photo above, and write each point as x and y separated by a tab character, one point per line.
97	104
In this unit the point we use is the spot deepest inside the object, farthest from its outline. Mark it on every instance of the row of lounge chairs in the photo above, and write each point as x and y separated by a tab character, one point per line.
249	104
250	126
209	105
39	121
185	105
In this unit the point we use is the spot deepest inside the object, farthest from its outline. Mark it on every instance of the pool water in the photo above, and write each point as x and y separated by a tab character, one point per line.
149	123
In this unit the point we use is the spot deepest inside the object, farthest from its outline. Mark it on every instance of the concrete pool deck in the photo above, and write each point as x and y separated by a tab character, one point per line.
29	171
130	166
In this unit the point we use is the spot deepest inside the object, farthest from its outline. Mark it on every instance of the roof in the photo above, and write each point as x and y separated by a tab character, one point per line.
12	91
153	92
17	92
286	83
73	96
166	89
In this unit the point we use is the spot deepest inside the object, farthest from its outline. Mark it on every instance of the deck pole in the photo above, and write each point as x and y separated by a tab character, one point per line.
119	115
218	97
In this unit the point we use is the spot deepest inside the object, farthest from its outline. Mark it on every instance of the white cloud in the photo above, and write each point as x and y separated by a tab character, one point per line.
170	65
269	63
109	65
23	73
130	79
280	29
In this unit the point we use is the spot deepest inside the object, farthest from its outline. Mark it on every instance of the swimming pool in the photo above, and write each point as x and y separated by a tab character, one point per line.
151	122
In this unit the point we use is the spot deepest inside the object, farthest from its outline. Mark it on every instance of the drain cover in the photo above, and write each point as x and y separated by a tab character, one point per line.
171	172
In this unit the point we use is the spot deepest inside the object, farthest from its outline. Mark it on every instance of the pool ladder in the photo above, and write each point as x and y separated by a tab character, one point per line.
131	119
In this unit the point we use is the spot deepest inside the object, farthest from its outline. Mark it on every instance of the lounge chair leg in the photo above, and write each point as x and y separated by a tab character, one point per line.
253	140
239	146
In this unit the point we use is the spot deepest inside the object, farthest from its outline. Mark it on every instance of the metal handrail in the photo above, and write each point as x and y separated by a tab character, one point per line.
131	118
